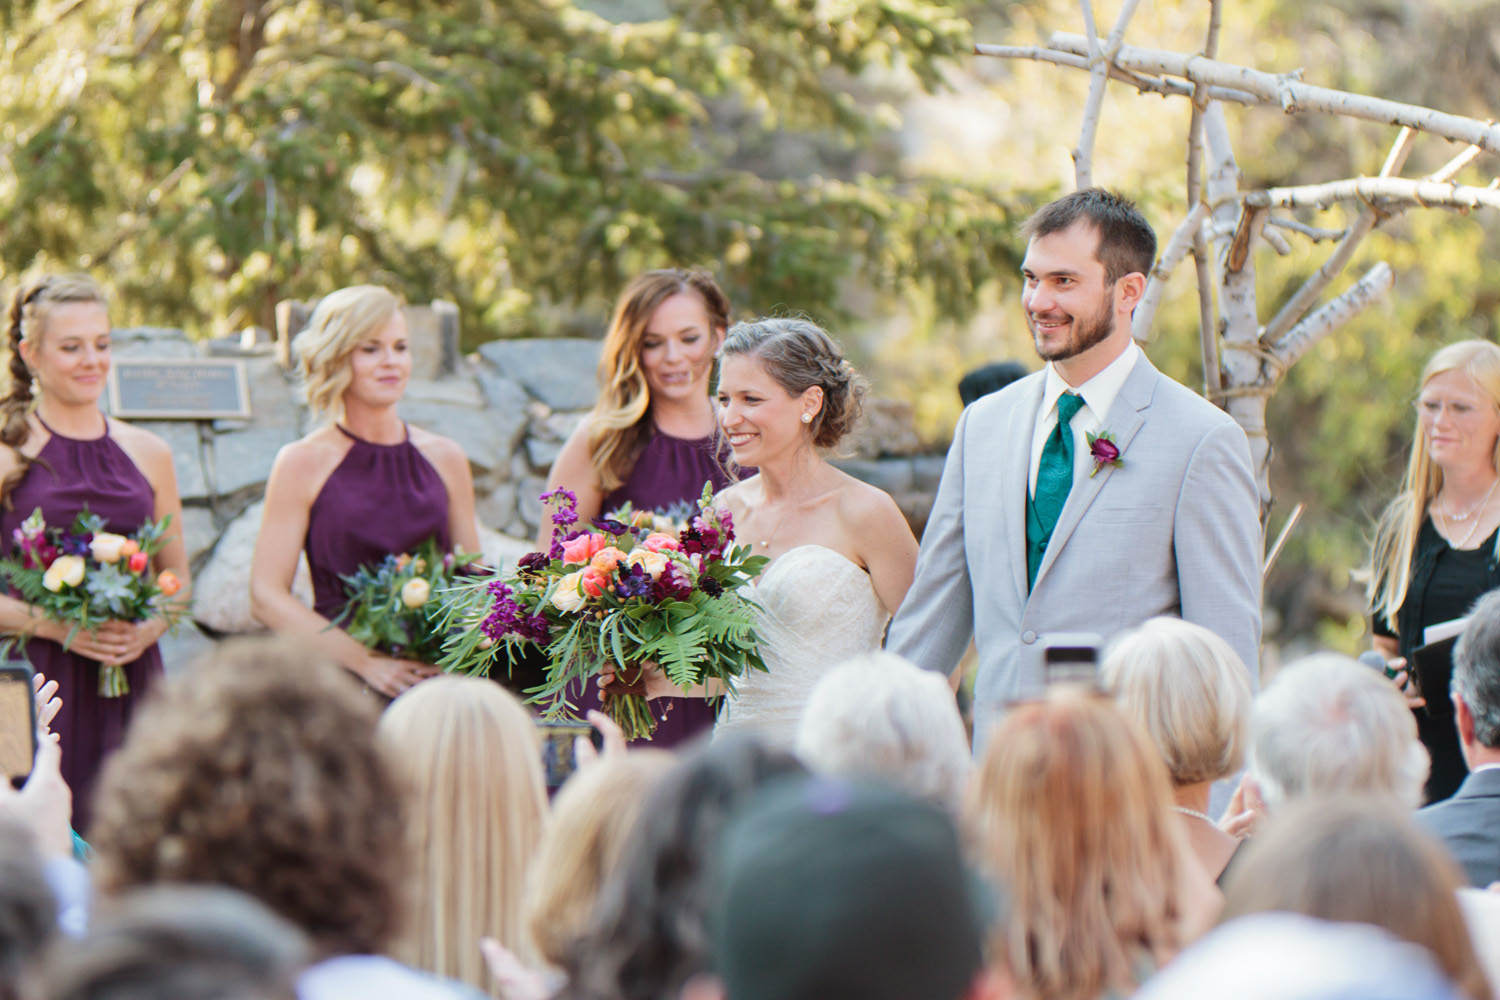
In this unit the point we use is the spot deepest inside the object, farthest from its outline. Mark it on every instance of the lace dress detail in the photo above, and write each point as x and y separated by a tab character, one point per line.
818	610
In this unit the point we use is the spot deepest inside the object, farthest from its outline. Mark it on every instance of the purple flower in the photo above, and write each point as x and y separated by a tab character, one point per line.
1104	451
699	537
710	586
634	582
726	523
672	585
533	562
610	526
75	545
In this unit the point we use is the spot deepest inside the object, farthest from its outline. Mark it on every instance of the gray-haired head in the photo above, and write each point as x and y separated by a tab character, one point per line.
1476	669
1328	724
878	716
799	355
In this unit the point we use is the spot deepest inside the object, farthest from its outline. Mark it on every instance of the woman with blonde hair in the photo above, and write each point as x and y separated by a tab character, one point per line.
1437	548
585	836
63	456
469	757
650	439
1187	689
1360	860
363	486
1072	813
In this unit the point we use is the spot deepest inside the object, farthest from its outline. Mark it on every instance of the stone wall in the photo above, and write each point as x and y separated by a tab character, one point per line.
510	405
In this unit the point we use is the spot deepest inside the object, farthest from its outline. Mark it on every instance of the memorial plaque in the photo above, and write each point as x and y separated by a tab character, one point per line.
172	389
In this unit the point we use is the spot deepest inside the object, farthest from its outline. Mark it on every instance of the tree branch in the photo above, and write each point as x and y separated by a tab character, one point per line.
1177	248
1208	331
1317	325
1165	86
1291	95
1313	233
1099	63
1389	193
1312	289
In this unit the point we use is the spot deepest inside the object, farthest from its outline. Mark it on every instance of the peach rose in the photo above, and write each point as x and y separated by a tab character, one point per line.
130	548
168	583
607	559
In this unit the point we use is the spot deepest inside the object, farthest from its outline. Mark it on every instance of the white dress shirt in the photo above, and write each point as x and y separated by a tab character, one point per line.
1098	395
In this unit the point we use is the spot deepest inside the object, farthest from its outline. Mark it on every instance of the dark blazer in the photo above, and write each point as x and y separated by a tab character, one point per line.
1469	825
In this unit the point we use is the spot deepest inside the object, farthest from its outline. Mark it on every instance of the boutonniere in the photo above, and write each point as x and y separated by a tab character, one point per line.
1104	451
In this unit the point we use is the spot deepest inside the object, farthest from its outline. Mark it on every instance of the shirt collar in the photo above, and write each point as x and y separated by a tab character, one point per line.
1098	392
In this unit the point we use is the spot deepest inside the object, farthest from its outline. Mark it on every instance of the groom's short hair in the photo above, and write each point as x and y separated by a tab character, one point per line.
1127	243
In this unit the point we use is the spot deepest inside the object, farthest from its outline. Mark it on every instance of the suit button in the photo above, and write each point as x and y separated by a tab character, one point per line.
1028	637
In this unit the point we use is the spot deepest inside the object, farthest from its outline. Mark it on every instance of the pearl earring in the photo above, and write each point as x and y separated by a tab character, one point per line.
807	418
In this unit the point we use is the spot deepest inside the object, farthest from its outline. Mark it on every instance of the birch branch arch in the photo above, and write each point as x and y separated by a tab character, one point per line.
1245	359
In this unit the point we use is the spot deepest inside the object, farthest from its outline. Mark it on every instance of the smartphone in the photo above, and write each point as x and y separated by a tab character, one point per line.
17	721
558	740
1071	658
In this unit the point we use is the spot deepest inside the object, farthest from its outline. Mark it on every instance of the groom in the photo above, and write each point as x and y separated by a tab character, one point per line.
1087	497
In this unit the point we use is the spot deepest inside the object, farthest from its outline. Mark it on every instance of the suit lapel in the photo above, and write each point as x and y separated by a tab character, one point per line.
1125	418
1015	481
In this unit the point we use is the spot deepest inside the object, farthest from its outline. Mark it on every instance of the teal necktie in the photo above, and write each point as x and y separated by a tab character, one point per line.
1054	478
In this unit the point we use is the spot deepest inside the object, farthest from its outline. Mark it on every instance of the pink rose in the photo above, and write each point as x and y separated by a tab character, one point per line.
578	550
658	542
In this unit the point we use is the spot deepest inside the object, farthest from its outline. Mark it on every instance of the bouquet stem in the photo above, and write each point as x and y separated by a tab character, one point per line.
625	703
112	682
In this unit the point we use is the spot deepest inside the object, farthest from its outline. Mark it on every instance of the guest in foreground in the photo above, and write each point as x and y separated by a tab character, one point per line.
1353	860
261	773
587	833
64	455
649	934
363	486
1436	547
1327	724
1087	497
1469	822
1073	814
1185	687
469	757
879	717
829	890
28	914
183	943
651	440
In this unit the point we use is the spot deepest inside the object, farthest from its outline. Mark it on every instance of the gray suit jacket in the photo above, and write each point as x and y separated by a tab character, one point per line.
1469	826
1174	530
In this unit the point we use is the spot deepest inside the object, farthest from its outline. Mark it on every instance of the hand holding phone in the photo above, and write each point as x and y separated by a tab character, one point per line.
17	721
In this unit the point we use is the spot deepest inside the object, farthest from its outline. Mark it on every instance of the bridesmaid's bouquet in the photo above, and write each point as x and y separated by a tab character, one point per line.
85	576
621	595
393	606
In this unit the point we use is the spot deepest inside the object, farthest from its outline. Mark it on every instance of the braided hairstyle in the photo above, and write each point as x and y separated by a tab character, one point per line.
29	306
798	355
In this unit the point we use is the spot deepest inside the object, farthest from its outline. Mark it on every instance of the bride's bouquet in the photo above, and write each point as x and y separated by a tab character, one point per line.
393	605
84	576
620	596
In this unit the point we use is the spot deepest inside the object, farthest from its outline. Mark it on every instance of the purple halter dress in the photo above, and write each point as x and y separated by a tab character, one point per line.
382	499
668	471
68	475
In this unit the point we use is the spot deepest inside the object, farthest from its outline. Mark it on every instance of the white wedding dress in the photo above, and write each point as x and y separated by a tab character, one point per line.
818	609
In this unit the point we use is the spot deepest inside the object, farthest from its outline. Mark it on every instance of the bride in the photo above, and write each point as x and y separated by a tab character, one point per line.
842	555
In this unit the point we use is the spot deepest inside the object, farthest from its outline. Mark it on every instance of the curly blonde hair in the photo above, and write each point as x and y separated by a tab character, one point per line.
338	324
260	772
1073	812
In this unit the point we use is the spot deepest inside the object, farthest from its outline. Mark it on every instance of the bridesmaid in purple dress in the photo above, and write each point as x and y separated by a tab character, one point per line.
63	454
361	487
651	438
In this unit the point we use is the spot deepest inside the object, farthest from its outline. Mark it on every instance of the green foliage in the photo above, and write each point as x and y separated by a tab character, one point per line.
211	159
394	606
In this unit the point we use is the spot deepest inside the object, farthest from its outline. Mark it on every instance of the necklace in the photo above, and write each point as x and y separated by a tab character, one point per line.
1474	509
765	543
1205	817
1469	535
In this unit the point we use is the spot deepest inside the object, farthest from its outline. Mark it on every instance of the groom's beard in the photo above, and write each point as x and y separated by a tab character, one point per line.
1083	334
